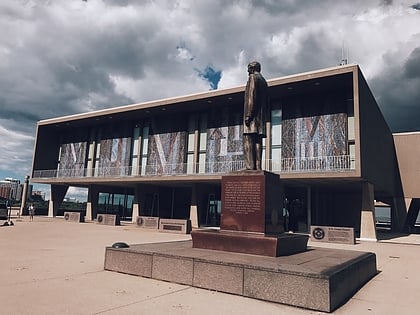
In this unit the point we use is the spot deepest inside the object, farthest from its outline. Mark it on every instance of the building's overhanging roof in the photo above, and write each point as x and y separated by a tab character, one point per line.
202	95
407	133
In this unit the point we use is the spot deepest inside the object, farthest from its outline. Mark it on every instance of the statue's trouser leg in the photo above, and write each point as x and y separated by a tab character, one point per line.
249	151
258	152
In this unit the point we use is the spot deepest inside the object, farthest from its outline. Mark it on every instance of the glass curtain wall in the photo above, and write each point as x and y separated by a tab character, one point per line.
114	203
276	134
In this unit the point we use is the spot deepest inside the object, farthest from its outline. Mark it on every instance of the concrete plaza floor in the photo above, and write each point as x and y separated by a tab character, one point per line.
51	266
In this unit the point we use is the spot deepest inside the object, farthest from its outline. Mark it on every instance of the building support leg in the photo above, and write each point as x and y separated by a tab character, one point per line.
398	214
24	196
58	192
194	208
92	203
413	209
136	205
367	218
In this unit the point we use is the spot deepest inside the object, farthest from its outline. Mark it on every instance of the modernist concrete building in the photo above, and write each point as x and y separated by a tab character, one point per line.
327	140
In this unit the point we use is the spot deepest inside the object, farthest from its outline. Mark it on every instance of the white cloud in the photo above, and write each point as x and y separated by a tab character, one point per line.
15	149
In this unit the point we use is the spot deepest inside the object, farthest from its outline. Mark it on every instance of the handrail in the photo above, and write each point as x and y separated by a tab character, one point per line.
339	163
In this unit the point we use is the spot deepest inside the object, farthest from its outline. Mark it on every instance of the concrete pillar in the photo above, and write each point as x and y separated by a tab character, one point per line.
24	195
407	202
136	205
194	207
398	214
92	203
309	207
58	192
367	218
413	210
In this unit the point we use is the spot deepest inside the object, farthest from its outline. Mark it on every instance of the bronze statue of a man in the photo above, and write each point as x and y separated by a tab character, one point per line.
255	105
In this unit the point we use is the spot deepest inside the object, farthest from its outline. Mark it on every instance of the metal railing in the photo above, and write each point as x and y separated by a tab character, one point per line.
338	163
289	165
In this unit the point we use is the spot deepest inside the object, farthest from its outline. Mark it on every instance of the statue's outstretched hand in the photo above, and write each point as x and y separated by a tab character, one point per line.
248	120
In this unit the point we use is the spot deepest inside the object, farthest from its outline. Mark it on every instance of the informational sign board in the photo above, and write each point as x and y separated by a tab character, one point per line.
175	226
333	234
74	217
108	219
148	222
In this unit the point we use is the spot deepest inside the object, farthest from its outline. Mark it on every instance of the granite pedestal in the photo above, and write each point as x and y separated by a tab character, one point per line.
320	279
251	218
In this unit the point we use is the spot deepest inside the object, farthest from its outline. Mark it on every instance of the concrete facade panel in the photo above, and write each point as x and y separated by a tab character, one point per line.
407	146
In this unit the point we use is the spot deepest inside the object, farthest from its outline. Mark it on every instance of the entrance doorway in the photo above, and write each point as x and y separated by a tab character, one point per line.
168	203
114	203
214	209
296	208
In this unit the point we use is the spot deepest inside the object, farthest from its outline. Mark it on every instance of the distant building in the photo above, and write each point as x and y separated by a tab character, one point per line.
327	140
10	188
38	193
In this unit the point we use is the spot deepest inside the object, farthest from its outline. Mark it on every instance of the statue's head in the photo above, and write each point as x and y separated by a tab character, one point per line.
254	66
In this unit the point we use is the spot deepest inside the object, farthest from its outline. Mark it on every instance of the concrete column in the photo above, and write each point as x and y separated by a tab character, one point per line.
58	192
413	210
398	214
194	208
407	202
367	218
309	207
92	203
24	195
136	205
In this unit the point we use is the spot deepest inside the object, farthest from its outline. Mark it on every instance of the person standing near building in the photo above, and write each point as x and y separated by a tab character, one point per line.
255	105
31	212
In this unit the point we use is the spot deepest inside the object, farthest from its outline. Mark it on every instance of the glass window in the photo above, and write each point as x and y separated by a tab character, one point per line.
136	141
203	132
190	164
202	165
352	150
143	164
145	140
134	166
191	130
351	128
191	141
276	120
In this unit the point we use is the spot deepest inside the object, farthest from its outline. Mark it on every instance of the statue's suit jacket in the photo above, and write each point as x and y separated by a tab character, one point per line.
255	104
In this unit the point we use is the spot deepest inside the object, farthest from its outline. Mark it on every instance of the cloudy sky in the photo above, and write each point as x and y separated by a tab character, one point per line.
71	56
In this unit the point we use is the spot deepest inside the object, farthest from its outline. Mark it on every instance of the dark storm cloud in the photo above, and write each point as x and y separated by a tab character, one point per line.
387	2
412	66
120	3
398	93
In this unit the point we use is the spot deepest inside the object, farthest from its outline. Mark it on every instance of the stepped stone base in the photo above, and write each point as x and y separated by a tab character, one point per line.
249	243
319	279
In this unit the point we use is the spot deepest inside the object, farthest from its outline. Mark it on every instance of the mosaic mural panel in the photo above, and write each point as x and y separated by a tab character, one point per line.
315	136
114	156
167	149
224	150
72	159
